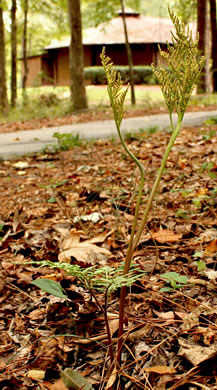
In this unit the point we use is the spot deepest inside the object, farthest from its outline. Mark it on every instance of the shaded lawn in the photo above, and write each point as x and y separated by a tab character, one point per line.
51	106
171	335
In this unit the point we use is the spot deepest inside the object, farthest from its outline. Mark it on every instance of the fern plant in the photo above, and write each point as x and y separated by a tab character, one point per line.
177	84
94	279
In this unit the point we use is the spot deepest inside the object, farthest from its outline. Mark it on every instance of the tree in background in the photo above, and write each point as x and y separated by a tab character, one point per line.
207	28
185	10
129	55
3	87
13	54
103	11
95	12
76	62
214	43
24	44
201	28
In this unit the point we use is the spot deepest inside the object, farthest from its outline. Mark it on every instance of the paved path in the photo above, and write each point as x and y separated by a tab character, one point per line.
25	142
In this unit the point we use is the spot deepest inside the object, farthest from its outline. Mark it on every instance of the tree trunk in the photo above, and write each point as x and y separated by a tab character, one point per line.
3	87
76	62
13	54
201	28
129	55
208	50
25	62
214	43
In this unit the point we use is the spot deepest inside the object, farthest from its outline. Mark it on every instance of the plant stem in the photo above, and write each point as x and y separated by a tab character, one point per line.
139	197
130	245
108	331
157	181
142	178
134	241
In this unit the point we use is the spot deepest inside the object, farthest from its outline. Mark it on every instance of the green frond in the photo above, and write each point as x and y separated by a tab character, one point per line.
99	278
184	65
115	91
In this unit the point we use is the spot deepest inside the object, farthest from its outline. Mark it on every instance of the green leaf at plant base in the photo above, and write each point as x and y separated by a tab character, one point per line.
74	381
198	254
51	287
211	133
214	193
51	200
211	121
55	184
173	278
67	141
212	175
197	202
201	265
166	289
182	214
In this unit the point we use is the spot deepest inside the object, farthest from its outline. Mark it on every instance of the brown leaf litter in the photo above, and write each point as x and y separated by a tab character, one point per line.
76	206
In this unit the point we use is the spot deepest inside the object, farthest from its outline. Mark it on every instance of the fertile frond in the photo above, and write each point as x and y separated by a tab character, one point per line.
184	64
115	91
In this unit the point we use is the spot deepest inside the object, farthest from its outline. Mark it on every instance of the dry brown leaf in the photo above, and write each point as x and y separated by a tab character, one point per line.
36	374
163	236
161	370
202	191
169	315
100	237
84	252
138	334
192	319
70	239
207	235
196	354
114	325
211	248
58	385
211	274
163	381
111	380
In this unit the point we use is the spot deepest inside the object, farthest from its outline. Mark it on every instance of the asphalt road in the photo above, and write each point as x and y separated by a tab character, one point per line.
24	142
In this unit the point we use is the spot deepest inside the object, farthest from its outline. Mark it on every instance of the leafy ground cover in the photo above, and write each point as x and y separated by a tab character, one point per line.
87	195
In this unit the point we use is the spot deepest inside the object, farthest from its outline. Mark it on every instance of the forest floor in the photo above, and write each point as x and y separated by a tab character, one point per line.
77	206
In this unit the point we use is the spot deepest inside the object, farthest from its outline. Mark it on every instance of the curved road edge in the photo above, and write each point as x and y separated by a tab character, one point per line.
30	141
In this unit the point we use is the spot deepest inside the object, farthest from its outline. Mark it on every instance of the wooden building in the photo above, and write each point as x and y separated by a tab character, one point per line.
145	33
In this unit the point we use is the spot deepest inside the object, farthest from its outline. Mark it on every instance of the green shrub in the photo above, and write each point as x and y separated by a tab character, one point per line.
95	75
48	99
142	74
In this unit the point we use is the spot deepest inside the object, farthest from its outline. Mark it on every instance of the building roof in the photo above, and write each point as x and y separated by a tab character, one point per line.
141	29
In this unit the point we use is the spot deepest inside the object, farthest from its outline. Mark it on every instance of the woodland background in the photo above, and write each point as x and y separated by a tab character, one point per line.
26	26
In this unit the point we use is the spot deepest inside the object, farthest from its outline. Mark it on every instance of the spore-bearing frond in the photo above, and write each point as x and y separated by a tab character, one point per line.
184	66
115	84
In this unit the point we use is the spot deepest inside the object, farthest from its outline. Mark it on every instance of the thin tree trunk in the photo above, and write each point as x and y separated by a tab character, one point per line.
214	43
201	28
13	54
129	55
3	86
25	62
76	61
208	49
